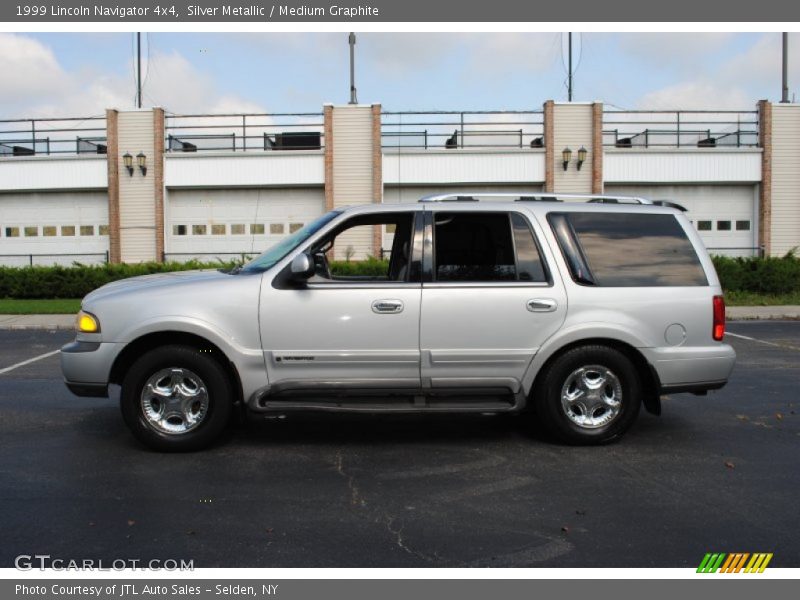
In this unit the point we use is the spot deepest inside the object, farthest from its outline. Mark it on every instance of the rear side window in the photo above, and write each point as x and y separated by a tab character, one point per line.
473	247
629	250
484	247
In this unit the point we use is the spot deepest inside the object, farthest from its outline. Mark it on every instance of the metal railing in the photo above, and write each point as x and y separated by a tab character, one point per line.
46	137
244	132
497	129
680	129
30	260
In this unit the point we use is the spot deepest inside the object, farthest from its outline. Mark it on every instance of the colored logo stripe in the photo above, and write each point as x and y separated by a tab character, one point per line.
734	562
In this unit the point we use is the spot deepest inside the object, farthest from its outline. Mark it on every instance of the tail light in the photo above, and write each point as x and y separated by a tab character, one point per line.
719	318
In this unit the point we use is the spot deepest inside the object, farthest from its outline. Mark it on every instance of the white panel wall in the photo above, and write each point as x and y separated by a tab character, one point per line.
682	166
463	167
276	168
52	224
225	212
710	208
46	173
785	178
572	128
137	203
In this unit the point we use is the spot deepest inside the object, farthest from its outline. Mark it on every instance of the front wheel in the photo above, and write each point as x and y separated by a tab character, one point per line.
588	395
176	398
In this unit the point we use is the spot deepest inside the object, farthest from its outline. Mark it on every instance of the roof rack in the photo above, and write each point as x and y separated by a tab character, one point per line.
550	197
543	197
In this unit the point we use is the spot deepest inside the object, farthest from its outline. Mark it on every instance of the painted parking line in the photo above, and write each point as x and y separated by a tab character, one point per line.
752	339
29	361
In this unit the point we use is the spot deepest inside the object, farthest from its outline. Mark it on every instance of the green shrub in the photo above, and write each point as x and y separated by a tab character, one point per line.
766	276
770	275
370	267
78	280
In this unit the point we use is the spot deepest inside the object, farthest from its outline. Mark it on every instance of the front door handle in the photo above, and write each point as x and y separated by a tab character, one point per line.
387	307
542	305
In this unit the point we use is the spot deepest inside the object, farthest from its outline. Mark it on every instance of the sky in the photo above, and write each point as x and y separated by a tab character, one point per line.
81	74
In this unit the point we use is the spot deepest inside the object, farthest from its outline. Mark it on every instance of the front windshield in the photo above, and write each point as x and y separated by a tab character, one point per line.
286	245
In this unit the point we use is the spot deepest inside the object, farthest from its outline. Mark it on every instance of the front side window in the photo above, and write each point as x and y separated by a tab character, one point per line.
348	253
485	247
628	249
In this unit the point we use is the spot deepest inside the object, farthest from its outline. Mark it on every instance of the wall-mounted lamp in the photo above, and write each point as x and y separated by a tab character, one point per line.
141	160
582	157
566	156
127	160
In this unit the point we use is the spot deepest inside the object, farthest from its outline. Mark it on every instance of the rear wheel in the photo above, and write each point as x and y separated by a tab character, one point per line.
176	398
588	395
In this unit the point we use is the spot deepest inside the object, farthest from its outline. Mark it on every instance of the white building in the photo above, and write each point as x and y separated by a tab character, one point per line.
141	185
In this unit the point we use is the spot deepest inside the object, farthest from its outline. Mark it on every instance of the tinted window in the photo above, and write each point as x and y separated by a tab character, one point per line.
529	260
473	247
628	250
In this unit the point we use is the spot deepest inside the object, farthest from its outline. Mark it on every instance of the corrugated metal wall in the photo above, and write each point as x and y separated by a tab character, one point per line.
785	178
352	173
572	128
137	192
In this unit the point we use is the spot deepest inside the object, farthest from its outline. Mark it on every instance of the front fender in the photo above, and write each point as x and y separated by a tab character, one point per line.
248	361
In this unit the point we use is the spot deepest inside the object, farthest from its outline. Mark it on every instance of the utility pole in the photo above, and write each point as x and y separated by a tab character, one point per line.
352	41
785	90
138	70
569	80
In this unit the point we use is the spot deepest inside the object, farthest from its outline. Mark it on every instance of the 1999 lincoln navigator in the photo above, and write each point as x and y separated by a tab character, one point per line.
580	309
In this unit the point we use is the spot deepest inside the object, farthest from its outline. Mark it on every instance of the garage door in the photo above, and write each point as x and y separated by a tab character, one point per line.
211	224
53	228
726	216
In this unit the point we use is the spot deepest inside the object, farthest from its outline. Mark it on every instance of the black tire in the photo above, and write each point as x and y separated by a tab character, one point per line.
193	364
626	391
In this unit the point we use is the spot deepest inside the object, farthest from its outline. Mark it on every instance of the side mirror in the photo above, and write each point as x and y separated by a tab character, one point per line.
302	266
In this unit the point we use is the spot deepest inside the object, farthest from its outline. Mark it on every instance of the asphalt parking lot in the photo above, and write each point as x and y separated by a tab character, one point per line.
720	473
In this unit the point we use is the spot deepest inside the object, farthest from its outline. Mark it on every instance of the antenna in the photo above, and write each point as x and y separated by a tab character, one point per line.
352	41
785	90
569	84
138	70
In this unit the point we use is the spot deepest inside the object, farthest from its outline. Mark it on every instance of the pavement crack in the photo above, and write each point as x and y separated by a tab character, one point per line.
401	542
355	494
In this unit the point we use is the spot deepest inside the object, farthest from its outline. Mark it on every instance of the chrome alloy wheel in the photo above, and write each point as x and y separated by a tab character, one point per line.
174	401
591	396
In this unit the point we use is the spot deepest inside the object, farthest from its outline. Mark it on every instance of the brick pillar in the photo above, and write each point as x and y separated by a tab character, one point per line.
328	140
597	148
549	156
765	189
158	176
112	161
377	176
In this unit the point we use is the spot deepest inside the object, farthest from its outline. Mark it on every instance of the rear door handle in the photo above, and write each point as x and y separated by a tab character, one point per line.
542	305
387	307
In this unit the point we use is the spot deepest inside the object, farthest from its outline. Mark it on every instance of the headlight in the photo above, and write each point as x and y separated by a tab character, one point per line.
87	323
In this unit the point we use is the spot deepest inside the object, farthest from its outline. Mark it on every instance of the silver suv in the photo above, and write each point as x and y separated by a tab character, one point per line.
580	309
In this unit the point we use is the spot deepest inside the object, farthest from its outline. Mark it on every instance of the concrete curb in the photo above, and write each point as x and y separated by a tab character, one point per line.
733	313
754	313
37	321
